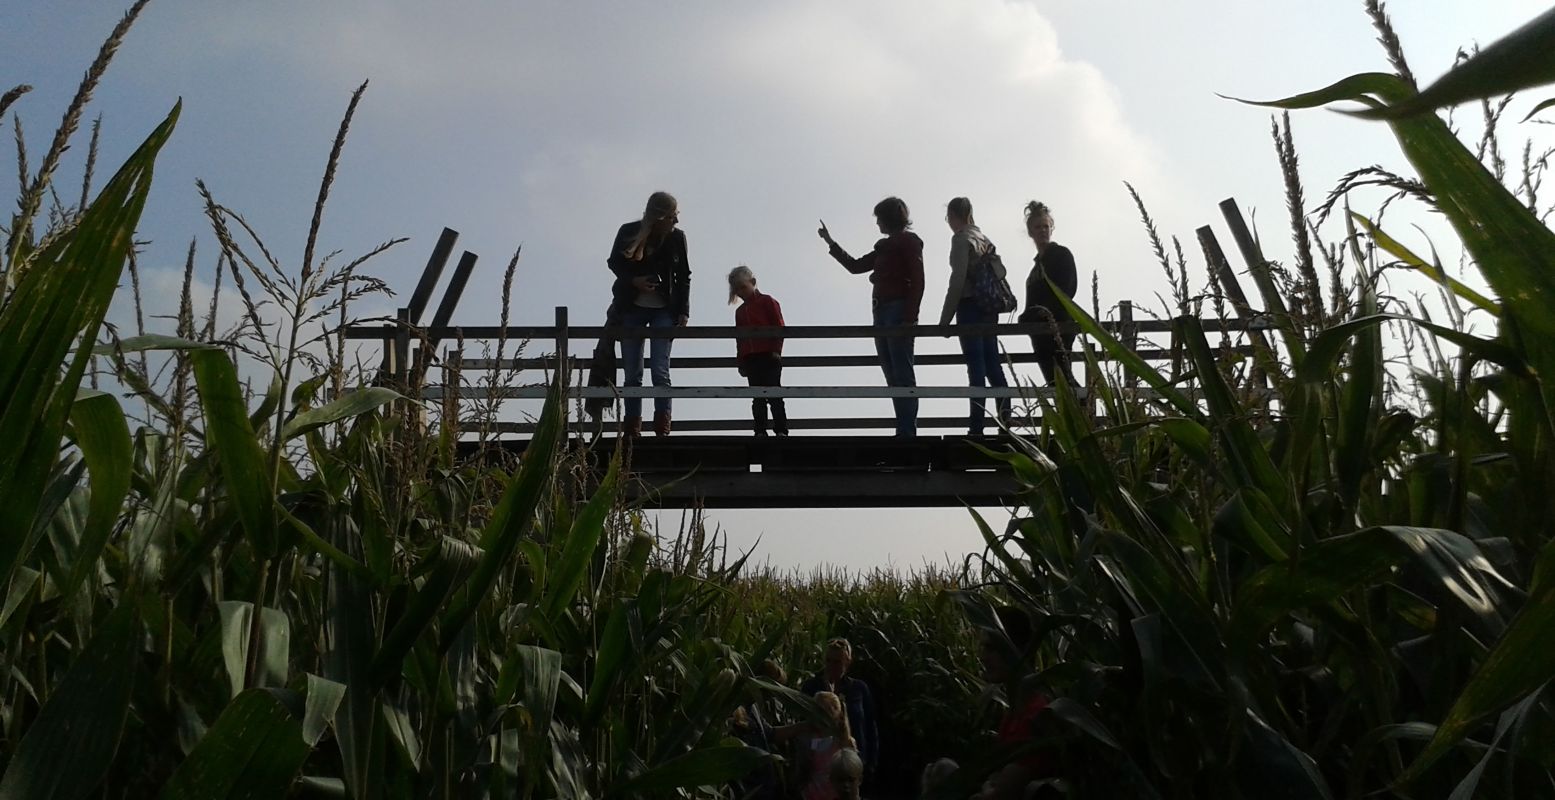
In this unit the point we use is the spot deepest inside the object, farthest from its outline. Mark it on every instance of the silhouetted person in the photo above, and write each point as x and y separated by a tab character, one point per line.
652	290
970	253
855	695
1055	262
760	360
896	270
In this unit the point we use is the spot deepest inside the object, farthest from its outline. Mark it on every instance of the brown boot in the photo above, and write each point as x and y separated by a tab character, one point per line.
661	423
632	427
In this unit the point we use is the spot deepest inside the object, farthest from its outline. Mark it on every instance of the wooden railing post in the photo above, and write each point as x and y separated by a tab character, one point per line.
563	374
1127	334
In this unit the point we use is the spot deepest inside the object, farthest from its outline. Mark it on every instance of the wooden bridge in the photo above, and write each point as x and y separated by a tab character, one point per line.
716	462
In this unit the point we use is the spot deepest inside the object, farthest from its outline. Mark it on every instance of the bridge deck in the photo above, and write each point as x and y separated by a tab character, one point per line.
806	471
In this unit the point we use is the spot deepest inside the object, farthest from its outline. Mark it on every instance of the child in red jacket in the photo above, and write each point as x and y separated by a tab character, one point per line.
761	360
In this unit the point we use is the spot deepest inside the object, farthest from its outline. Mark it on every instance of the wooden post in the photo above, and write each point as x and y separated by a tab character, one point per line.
402	348
1128	335
1233	289
563	358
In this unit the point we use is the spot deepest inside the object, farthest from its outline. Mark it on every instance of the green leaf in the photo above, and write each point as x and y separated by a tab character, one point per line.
104	439
578	550
713	766
513	517
1396	249
1520	663
57	305
147	342
230	434
274	642
253	752
1550	103
1126	356
1522	59
323	700
448	567
69	747
347	406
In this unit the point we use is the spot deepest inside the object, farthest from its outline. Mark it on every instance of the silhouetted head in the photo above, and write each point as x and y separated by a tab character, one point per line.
958	213
742	283
847	774
891	215
1039	224
839	656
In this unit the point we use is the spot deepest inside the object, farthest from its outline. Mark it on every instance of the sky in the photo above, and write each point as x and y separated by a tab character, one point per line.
548	123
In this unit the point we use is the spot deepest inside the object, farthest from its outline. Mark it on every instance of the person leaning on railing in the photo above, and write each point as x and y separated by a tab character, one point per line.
1055	262
652	290
896	270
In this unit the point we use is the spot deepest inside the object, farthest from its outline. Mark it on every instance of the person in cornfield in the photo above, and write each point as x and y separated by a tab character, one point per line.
856	697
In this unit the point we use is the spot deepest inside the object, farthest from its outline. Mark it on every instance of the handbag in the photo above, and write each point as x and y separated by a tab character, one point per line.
990	291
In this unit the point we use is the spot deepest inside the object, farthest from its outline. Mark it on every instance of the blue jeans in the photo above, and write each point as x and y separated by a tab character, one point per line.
983	365
896	362
658	356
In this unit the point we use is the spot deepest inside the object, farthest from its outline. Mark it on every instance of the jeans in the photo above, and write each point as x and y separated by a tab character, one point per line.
983	365
896	362
766	369
1052	351
658	356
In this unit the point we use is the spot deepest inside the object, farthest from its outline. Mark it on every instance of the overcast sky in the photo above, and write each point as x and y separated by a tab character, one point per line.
548	123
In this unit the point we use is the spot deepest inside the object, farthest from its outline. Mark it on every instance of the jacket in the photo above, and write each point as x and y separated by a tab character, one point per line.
895	267
759	311
667	263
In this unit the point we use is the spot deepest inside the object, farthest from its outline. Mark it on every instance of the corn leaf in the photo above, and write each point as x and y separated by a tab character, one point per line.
1522	59
58	305
68	749
104	439
253	752
350	405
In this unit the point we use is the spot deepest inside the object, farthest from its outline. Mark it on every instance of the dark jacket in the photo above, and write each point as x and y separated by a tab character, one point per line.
895	267
667	263
1058	264
861	712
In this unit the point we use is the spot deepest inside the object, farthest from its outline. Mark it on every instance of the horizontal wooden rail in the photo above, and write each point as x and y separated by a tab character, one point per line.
795	362
809	424
519	332
738	392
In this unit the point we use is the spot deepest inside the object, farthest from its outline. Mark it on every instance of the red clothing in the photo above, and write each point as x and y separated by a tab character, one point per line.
896	265
1019	726
757	312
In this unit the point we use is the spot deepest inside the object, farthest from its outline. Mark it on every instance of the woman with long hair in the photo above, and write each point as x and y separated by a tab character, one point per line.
652	289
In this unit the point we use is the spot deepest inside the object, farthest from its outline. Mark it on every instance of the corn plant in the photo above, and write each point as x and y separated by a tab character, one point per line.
1336	593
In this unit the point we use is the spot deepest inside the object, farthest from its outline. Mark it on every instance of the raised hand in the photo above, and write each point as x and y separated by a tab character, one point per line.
824	233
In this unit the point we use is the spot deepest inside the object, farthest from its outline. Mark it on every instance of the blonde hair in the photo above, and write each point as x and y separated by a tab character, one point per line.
841	645
741	271
832	705
660	206
847	763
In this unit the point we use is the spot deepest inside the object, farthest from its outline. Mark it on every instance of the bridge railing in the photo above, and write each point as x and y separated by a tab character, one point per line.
455	366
